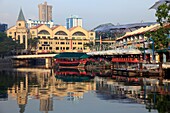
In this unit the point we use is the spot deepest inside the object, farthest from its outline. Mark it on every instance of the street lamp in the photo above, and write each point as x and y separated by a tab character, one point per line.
153	49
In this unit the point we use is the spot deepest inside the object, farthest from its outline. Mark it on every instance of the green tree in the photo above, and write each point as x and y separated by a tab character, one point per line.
8	46
160	35
32	44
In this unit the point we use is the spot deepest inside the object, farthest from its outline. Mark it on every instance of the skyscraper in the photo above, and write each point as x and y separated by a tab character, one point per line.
45	12
73	21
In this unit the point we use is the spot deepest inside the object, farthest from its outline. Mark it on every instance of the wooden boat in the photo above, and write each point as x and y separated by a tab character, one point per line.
71	59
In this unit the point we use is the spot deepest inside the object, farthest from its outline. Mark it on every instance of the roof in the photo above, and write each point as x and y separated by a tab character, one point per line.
71	55
158	3
21	16
54	27
73	28
139	31
35	27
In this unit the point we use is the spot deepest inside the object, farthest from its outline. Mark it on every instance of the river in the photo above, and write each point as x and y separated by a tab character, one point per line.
38	90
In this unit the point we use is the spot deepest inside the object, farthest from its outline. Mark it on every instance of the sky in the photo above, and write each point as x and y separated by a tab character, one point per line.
93	12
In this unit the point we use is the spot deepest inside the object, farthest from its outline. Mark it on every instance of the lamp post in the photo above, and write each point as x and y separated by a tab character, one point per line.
153	49
144	50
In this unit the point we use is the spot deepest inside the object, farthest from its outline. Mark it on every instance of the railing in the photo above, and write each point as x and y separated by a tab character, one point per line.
132	60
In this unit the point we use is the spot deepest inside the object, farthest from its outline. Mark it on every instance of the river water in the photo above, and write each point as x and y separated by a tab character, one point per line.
33	90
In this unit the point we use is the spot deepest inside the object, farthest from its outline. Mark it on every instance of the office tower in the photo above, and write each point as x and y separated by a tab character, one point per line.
73	21
3	27
45	12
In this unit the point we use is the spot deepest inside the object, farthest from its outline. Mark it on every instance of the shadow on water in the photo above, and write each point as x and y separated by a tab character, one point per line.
71	84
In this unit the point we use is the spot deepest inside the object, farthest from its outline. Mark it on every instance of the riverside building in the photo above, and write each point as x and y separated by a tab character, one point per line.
59	39
56	39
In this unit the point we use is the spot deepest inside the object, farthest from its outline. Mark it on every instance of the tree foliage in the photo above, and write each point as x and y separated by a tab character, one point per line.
32	44
160	35
7	45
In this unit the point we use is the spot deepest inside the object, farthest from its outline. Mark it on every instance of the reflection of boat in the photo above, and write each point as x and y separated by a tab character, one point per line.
74	78
73	75
71	59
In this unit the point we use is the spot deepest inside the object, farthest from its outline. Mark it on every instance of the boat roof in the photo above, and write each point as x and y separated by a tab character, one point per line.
75	55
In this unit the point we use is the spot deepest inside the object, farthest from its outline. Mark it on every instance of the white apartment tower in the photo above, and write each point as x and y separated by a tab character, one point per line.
73	21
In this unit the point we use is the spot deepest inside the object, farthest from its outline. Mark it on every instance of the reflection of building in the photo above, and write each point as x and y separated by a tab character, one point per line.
46	104
45	12
20	31
73	21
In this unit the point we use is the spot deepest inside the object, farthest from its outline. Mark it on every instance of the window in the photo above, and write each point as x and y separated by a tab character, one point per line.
19	39
79	43
33	32
55	38
91	34
57	48
50	48
45	42
62	43
19	24
24	39
44	37
78	34
61	33
40	48
73	38
74	48
67	48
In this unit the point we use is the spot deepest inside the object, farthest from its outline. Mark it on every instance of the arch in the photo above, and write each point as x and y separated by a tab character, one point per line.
44	32
60	33
78	33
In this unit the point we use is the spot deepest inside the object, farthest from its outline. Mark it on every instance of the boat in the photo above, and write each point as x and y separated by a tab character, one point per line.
71	59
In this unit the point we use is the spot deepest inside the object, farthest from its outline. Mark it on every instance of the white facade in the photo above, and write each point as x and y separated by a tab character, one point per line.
32	23
74	21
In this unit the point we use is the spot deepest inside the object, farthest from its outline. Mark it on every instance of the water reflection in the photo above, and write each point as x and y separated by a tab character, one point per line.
47	86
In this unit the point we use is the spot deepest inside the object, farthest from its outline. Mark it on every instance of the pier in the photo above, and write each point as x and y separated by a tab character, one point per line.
26	60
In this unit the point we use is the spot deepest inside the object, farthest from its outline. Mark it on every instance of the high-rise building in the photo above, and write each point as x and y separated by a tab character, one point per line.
3	27
45	12
73	21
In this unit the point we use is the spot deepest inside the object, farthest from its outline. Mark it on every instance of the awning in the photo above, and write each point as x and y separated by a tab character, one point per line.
71	55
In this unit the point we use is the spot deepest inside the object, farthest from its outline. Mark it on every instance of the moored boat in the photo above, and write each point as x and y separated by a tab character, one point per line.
73	59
